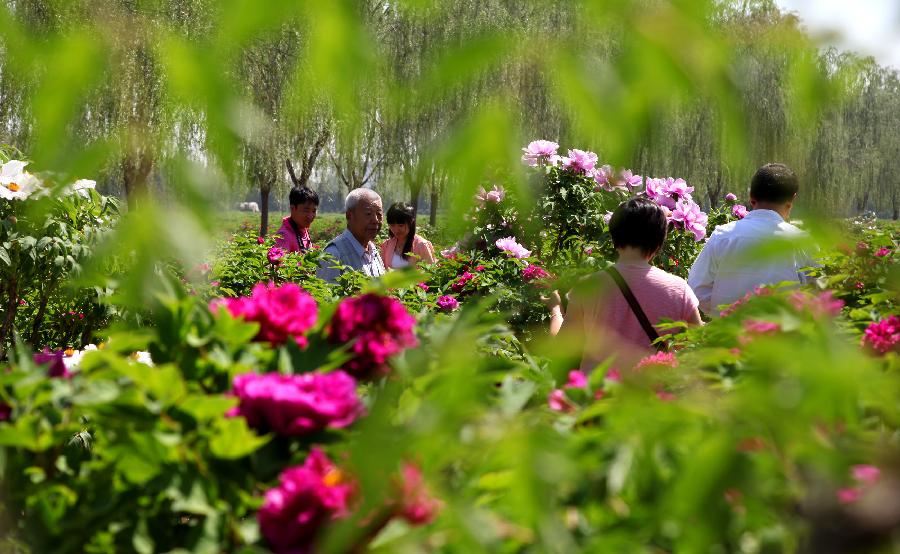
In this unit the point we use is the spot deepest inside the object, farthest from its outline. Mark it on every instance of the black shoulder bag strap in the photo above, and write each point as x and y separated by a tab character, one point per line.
297	234
636	308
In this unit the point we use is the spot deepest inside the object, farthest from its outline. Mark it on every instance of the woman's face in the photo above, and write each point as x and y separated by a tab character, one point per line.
399	230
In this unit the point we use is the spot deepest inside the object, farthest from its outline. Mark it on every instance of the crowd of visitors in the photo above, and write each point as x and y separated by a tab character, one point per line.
615	313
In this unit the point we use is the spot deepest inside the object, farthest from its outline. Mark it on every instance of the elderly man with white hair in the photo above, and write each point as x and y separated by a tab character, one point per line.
354	247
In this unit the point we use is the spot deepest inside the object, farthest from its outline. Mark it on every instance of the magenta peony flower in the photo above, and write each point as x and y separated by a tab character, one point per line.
882	252
296	404
306	499
423	286
512	248
757	327
460	283
417	506
56	366
849	495
539	152
883	336
447	303
559	402
660	359
532	272
730	198
739	211
282	312
5	411
275	254
379	328
577	380
613	375
689	216
260	240
580	161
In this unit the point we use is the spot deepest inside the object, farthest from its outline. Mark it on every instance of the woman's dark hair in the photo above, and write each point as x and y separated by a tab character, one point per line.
775	183
398	214
639	222
302	195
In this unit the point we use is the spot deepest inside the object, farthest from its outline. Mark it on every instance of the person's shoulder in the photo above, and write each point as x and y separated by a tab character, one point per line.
789	228
422	240
724	229
668	278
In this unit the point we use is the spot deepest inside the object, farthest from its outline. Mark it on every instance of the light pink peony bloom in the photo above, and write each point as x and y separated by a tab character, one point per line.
604	176
447	303
306	499
423	286
378	326
532	272
739	211
282	312
757	327
820	305
417	506
495	195
580	161
538	152
689	216
849	495
577	380
730	198
614	376
296	404
628	180
678	188
451	252
883	336
512	248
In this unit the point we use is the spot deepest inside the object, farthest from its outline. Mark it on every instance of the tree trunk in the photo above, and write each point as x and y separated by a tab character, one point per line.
136	166
432	214
264	191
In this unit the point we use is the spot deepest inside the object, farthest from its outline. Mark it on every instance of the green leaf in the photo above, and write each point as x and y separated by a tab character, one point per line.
232	439
203	408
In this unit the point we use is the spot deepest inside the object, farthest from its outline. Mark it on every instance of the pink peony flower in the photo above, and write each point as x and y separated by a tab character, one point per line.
666	396
275	254
655	189
823	304
883	336
460	283
577	380
730	198
451	252
539	152
660	359
282	312
203	268
417	506
580	161
512	248
865	473
532	272
849	495
495	195
296	404
628	180
882	252
214	283
739	211
261	240
56	366
479	268
604	178
614	376
678	188
306	499
558	402
447	303
379	328
689	216
757	327
423	286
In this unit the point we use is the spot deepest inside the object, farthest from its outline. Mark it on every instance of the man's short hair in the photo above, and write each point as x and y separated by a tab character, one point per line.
358	194
639	222
303	195
775	183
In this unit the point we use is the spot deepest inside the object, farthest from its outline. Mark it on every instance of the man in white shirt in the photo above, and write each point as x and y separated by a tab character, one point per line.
354	247
731	263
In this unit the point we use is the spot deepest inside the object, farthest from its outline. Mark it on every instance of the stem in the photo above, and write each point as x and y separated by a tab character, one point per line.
12	306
